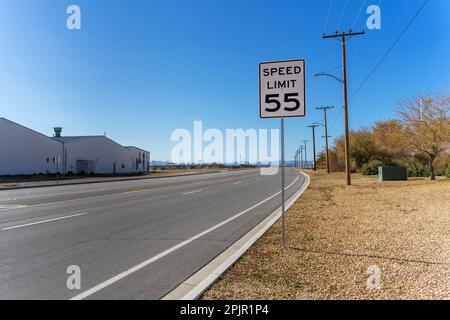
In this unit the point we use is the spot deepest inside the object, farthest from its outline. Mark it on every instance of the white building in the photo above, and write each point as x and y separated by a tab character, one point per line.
140	158
25	151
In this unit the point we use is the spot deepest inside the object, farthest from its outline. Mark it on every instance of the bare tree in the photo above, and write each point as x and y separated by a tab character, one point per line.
427	125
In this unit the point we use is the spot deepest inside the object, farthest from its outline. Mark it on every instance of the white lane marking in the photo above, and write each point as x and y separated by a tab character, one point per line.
44	221
101	196
239	182
11	206
126	273
192	192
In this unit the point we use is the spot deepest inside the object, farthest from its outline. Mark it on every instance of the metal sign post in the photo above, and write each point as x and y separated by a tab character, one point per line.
282	95
283	206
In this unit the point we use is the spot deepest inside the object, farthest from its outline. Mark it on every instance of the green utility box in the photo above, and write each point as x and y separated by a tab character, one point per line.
392	174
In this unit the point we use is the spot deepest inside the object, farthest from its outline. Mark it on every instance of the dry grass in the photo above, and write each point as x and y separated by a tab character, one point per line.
337	232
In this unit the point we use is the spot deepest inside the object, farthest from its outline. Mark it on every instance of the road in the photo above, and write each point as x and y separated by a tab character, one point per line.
130	239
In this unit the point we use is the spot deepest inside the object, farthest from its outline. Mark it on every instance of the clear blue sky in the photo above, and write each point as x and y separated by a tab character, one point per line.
140	69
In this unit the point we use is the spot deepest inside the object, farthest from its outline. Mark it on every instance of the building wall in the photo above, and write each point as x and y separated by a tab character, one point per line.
141	159
24	151
103	151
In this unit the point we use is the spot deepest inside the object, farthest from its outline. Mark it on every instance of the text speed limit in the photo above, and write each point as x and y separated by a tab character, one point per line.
282	89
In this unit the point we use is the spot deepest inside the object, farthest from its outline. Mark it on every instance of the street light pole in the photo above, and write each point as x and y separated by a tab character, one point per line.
306	159
327	152
313	127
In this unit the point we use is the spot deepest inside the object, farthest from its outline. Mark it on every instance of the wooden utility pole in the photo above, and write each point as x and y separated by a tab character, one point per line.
301	156
306	160
327	153
343	38
313	127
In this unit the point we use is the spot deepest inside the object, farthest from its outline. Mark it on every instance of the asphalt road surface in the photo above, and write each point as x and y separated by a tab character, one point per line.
131	239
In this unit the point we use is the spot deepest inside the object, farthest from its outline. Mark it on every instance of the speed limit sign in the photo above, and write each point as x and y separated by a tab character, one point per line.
282	89
282	95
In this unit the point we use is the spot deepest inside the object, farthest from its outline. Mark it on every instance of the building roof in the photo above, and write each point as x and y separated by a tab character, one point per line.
133	147
69	138
75	138
23	127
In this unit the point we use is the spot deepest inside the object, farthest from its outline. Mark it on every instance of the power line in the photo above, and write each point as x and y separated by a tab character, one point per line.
342	14
360	10
359	13
328	16
335	120
390	49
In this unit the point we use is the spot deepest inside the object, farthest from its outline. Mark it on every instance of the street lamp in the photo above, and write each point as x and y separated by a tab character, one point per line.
320	74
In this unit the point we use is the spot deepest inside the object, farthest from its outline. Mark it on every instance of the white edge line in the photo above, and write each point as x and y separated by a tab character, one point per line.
44	221
209	280
11	207
145	263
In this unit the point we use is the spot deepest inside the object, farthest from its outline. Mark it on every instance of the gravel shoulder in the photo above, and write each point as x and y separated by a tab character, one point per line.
340	236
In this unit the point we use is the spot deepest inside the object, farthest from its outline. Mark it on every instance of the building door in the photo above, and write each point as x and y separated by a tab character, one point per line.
85	166
114	167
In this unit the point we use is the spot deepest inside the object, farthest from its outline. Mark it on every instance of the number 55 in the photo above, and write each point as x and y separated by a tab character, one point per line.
288	98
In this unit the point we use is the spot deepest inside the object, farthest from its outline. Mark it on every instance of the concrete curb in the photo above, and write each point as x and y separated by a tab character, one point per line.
199	282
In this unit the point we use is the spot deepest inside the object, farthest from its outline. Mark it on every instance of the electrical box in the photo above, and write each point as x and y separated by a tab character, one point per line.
392	174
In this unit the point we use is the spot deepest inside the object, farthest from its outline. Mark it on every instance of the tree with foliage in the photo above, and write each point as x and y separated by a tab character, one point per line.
362	147
390	140
427	125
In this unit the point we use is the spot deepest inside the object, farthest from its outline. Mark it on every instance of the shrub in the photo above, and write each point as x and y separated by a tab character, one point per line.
447	171
439	172
417	170
371	168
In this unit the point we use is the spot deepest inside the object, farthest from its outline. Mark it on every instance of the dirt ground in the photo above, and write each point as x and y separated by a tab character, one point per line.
373	240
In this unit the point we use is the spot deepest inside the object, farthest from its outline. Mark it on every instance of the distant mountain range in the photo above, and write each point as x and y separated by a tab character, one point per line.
289	163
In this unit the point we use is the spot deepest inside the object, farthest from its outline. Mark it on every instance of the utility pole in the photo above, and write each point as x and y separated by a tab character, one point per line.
343	38
326	138
327	153
306	160
313	127
301	156
295	158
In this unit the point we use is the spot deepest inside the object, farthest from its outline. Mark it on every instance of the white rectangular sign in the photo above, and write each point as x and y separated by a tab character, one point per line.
282	89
